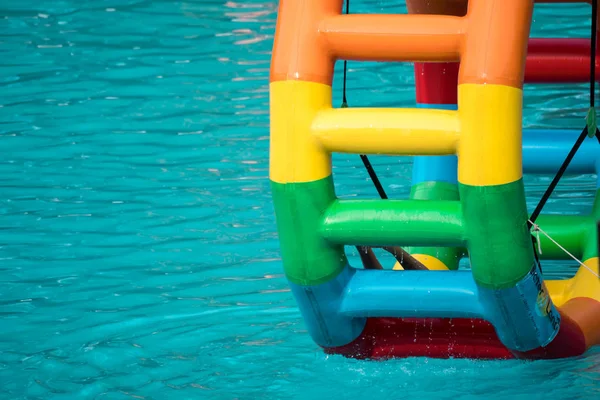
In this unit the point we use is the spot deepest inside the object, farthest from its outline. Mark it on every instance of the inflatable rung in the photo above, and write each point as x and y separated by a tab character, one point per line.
544	150
394	37
551	60
393	131
377	293
394	222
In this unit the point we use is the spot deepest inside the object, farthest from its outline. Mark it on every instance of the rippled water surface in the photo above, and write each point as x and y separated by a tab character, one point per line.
138	248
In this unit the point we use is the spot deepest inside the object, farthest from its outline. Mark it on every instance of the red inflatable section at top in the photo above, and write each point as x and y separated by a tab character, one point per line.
548	61
558	61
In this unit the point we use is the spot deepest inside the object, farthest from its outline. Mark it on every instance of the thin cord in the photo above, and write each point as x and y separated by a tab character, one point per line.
366	254
558	176
537	228
344	100
363	157
373	176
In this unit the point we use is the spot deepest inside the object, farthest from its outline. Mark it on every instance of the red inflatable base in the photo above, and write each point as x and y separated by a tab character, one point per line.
385	338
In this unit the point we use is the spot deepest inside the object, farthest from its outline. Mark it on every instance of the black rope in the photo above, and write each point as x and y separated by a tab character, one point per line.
593	45
367	256
585	132
593	53
344	100
373	176
558	176
592	83
363	157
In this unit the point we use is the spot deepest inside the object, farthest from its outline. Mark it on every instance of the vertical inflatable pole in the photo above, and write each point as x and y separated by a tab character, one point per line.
490	174
300	170
435	177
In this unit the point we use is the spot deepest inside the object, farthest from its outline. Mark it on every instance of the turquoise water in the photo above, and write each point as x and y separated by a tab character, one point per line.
138	247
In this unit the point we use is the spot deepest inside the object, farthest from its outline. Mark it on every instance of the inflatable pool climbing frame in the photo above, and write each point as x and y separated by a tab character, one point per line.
467	198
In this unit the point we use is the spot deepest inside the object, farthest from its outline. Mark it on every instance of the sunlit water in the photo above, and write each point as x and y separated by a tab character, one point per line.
138	247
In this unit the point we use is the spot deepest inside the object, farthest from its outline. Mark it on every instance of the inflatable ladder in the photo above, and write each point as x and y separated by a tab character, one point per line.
467	199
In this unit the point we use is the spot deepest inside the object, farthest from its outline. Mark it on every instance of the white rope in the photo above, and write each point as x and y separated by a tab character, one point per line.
538	229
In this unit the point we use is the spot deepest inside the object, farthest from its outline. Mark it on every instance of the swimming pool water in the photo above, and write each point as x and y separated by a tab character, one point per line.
138	248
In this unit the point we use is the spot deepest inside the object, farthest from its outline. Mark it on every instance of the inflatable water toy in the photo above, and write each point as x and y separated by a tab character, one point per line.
467	197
